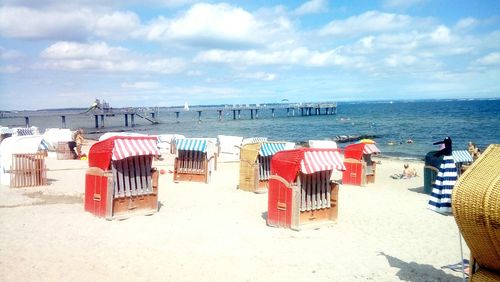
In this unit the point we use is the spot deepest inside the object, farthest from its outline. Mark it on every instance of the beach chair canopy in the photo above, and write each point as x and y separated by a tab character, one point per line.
325	144
53	136
461	156
229	144
112	134
356	151
306	160
191	144
121	147
271	148
251	140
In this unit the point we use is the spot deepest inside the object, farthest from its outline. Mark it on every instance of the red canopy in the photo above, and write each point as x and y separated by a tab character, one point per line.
356	151
307	160
121	147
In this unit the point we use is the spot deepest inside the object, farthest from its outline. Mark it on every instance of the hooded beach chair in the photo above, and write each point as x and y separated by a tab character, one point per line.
476	208
196	160
255	164
360	169
301	193
121	181
22	161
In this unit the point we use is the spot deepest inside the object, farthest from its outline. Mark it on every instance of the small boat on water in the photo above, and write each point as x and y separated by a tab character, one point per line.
186	107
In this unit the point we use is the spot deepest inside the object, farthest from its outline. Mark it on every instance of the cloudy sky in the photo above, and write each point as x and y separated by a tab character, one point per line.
56	53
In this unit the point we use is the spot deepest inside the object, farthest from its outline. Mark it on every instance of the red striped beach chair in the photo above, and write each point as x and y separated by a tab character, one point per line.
360	169
301	193
120	181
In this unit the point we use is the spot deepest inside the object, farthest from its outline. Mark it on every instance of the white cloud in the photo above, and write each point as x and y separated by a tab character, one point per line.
311	7
490	59
397	60
259	76
101	57
368	22
402	3
296	56
207	22
219	26
441	35
74	50
466	23
141	85
25	23
117	25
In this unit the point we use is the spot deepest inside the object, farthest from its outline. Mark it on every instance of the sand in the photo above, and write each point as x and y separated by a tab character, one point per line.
215	232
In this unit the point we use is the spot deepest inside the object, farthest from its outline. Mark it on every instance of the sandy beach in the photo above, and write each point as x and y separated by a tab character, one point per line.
215	232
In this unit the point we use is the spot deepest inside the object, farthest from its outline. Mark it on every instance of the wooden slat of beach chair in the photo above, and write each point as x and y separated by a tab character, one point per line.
119	179
303	193
13	172
28	164
36	176
142	172
319	179
116	181
148	162
131	174
126	177
326	183
137	175
308	192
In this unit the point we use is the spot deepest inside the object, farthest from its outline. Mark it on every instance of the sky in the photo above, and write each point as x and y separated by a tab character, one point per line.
60	54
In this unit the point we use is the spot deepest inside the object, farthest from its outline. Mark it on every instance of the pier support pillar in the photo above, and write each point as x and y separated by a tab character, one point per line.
27	121
287	112
302	111
102	120
256	113
126	120
153	115
293	112
177	116
272	111
63	120
239	114
234	114
132	120
199	115
251	114
220	114
96	118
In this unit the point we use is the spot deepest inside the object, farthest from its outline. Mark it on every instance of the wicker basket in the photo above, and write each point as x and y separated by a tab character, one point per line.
476	207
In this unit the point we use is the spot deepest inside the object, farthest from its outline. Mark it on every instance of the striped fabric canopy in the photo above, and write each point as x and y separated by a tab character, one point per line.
370	149
189	144
461	156
24	131
269	149
125	148
321	160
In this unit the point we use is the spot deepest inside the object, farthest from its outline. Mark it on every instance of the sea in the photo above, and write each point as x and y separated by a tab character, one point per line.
401	129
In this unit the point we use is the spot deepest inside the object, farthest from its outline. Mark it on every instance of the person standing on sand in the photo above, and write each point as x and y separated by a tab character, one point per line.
79	139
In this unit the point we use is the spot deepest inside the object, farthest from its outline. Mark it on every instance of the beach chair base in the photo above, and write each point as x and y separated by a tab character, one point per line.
99	198
283	209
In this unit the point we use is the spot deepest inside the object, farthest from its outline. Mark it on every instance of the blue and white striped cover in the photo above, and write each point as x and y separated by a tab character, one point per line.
440	200
269	149
189	144
24	131
461	156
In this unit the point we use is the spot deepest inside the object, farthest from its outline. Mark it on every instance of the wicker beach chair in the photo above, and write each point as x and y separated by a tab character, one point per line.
476	207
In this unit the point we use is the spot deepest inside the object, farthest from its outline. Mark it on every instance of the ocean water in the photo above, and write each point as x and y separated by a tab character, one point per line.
393	123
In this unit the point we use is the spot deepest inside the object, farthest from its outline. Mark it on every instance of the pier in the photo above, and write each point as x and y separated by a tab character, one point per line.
152	115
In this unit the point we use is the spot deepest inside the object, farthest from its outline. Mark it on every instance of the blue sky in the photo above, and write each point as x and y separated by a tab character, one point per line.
56	54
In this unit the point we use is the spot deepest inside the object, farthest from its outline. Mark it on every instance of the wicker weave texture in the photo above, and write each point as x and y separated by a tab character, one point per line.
476	207
249	177
483	275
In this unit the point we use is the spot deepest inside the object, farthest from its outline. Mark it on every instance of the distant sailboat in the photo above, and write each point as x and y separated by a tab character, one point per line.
186	107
